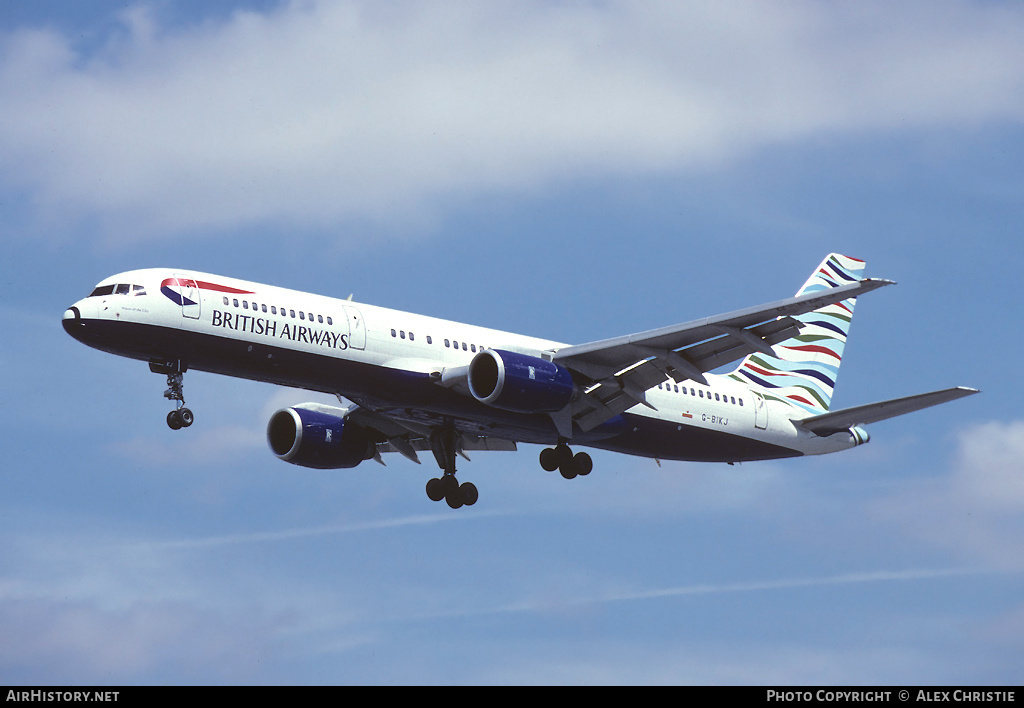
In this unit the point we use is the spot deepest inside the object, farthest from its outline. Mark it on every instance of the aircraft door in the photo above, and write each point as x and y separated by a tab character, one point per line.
356	328
760	411
190	298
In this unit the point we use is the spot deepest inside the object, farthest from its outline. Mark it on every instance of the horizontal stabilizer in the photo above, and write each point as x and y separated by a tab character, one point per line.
836	421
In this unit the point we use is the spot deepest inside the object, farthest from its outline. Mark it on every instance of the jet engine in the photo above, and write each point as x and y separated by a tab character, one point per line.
859	435
519	382
313	435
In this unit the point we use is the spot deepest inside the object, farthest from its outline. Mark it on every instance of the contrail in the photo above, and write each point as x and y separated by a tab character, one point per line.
879	576
309	532
791	583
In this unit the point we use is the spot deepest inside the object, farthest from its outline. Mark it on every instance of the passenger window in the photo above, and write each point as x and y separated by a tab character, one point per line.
429	340
447	344
733	400
455	344
741	402
394	333
245	304
263	307
473	348
676	387
701	393
411	336
273	309
402	334
320	319
329	320
291	313
235	300
463	346
226	301
302	315
716	396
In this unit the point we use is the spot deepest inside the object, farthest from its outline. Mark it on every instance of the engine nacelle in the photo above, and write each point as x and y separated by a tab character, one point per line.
310	436
519	382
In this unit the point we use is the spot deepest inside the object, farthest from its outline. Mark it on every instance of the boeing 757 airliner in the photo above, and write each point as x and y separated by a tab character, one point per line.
418	383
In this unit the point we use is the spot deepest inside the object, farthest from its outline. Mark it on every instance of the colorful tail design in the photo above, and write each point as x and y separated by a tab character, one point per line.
804	369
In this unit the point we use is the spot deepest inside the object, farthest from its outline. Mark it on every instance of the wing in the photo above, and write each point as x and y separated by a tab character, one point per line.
621	370
836	421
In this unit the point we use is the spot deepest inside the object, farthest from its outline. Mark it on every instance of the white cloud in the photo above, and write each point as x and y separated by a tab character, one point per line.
325	111
977	510
205	446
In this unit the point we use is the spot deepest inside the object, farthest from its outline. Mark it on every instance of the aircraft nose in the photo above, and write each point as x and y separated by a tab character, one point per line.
72	321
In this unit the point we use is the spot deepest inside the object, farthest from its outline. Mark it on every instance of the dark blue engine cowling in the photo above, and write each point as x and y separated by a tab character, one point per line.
519	382
314	438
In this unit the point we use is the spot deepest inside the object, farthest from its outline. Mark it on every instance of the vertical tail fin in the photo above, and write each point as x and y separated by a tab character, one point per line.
804	369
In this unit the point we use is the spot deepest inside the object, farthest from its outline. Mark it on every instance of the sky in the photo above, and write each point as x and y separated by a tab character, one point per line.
567	170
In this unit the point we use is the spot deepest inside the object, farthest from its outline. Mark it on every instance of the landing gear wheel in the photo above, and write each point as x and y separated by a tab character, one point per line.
583	464
549	459
567	470
452	495
454	499
174	421
469	493
565	466
435	490
186	417
449	484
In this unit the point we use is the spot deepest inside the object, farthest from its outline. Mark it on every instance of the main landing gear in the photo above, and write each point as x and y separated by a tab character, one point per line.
447	487
180	417
568	465
444	444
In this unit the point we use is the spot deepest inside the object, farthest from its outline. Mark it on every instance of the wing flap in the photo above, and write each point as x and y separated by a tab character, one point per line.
836	421
408	438
470	443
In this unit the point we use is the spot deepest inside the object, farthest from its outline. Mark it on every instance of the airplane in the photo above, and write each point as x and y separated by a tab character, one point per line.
409	383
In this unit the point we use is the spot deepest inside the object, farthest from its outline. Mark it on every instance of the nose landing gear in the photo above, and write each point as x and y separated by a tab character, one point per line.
180	417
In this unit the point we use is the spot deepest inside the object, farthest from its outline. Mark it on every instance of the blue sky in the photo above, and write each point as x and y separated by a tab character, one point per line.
569	170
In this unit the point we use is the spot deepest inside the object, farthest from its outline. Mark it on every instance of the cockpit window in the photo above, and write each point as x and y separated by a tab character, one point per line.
119	289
